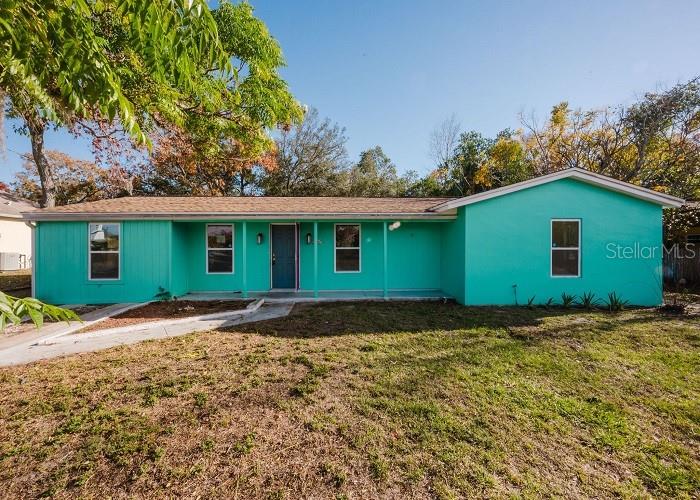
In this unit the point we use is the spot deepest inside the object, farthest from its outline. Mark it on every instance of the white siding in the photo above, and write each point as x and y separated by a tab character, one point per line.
16	236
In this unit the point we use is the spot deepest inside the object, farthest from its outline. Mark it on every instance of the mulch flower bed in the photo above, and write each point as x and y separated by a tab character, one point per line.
172	309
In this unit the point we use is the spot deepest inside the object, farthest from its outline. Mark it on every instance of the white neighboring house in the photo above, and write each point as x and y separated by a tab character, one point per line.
15	235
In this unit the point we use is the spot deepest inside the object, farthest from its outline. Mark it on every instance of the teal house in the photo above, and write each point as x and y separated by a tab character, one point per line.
568	232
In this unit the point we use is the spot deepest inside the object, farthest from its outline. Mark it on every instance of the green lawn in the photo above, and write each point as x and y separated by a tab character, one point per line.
361	400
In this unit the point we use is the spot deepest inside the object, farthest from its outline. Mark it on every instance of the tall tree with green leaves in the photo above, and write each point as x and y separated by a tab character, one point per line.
217	151
374	175
141	66
469	155
55	68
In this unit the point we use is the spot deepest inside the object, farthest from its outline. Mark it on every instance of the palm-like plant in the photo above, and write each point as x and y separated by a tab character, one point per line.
567	300
616	303
588	301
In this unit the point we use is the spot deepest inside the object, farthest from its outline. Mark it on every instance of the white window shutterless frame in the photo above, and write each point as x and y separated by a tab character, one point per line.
219	248
104	251
565	248
347	240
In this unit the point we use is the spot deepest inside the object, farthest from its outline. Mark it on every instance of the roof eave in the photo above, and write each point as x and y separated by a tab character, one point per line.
103	216
603	181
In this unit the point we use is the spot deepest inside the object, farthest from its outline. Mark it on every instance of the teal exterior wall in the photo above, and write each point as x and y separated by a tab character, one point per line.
370	276
476	258
453	258
413	252
179	266
508	243
414	256
61	261
194	263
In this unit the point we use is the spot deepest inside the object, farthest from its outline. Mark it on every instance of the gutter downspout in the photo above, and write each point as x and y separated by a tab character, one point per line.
33	227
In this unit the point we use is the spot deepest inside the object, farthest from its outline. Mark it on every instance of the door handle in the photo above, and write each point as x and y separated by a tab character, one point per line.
274	259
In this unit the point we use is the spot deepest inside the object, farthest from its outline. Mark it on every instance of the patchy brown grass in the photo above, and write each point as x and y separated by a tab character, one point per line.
170	309
362	400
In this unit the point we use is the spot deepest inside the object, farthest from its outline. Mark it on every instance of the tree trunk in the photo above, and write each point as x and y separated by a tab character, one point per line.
37	127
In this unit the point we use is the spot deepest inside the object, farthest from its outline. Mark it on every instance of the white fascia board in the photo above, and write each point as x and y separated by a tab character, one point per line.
582	175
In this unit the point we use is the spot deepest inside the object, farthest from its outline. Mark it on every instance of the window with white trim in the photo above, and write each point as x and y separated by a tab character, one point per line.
566	248
104	250
219	248
347	248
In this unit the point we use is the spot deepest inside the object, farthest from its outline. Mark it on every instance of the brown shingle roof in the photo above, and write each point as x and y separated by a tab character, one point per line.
248	205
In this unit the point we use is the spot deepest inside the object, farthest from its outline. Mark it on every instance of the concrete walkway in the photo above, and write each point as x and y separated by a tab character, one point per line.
28	334
34	350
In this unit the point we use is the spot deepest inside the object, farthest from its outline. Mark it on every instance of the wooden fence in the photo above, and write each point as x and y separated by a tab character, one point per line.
683	263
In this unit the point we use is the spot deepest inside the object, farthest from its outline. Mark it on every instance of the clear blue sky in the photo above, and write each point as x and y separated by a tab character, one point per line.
391	71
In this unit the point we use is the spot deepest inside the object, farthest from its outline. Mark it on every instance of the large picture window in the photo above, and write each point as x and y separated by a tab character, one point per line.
219	248
566	248
104	250
347	248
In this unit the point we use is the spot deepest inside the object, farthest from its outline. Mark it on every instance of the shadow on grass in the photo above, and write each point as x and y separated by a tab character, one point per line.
351	318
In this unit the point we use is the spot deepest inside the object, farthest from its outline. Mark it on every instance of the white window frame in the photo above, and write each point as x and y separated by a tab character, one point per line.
552	249
233	246
358	248
118	252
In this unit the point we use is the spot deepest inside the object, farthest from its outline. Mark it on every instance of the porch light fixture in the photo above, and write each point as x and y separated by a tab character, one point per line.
259	238
394	225
309	238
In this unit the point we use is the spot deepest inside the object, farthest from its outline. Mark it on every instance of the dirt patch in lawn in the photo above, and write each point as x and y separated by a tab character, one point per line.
174	309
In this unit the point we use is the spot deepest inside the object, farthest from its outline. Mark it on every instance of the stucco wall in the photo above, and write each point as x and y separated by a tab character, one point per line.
509	241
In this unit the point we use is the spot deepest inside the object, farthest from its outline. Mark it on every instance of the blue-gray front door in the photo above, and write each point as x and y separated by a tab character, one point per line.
284	256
